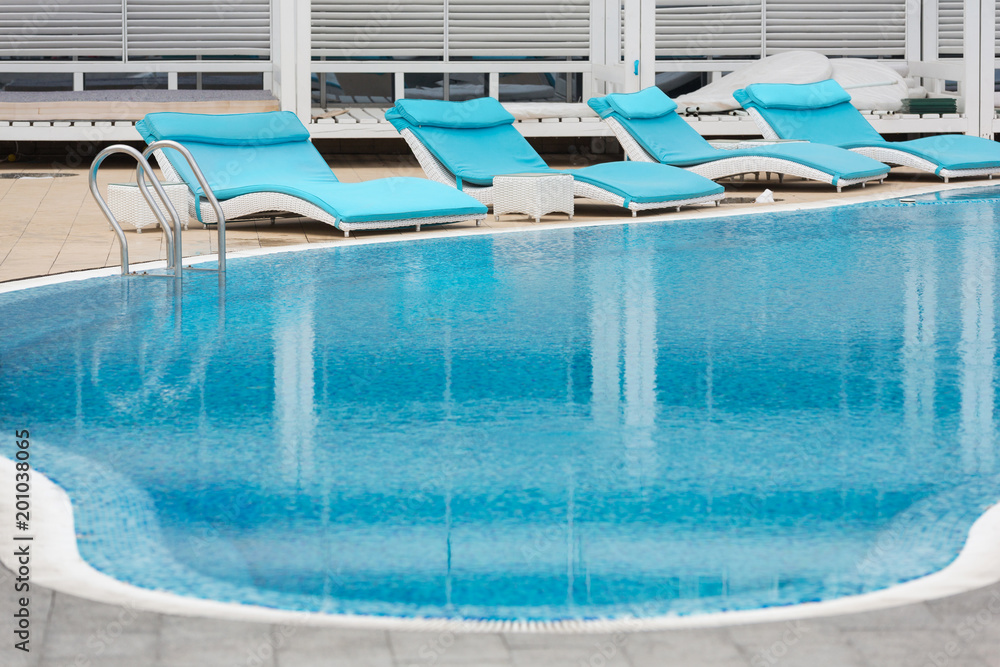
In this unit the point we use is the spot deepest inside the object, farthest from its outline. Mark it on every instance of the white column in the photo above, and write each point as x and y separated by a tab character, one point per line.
290	48
598	47
647	43
929	31
987	66
632	45
978	50
303	61
913	33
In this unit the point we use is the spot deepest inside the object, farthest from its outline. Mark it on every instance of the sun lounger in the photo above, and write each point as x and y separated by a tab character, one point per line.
264	162
822	113
649	129
467	144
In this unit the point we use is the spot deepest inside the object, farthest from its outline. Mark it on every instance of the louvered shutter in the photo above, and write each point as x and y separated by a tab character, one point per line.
198	28
500	28
377	28
951	24
65	28
687	28
860	28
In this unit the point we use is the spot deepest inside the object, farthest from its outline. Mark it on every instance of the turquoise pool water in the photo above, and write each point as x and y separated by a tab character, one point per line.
626	420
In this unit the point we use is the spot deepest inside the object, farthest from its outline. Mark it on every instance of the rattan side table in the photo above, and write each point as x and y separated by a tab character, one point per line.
126	203
533	194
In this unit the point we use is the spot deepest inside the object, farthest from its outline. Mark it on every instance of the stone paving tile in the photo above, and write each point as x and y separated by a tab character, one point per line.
565	657
607	650
447	648
914	616
895	648
39	608
81	647
85	616
795	643
307	646
186	640
685	647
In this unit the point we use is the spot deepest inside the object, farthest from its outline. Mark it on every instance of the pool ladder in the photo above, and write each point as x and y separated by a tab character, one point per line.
172	232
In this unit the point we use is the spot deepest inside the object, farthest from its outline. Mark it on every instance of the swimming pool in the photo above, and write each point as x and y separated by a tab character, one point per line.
642	419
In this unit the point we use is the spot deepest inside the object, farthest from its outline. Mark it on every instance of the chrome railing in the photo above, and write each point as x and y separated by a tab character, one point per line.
172	232
206	188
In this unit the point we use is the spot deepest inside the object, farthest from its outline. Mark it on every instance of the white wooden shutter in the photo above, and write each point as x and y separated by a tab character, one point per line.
689	28
376	28
65	28
859	28
951	20
500	28
198	28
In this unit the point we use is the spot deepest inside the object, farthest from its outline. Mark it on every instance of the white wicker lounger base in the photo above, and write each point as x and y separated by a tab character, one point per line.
259	203
438	172
895	157
888	155
734	166
600	194
263	204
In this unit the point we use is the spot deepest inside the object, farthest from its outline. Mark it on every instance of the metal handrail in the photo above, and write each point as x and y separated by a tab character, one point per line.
206	188
173	254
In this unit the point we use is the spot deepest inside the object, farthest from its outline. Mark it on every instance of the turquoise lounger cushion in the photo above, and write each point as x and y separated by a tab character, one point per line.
297	169
838	125
646	182
953	151
245	129
476	155
817	95
671	140
477	113
842	125
648	103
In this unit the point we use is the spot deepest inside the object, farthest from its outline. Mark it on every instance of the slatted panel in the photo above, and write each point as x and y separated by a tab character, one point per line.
951	23
65	28
377	28
499	28
199	28
859	28
688	28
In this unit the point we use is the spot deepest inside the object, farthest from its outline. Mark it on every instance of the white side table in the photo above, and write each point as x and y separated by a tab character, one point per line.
126	203
533	194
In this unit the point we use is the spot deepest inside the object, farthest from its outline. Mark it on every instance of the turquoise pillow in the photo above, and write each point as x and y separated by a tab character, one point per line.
796	96
649	103
478	113
242	129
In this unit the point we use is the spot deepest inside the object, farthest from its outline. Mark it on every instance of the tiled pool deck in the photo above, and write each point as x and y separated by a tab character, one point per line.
51	226
66	631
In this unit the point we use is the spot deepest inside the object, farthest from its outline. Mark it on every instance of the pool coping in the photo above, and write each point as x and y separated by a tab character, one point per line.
57	564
